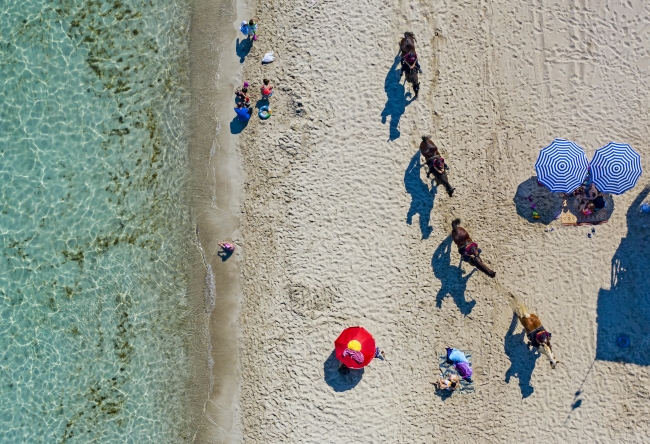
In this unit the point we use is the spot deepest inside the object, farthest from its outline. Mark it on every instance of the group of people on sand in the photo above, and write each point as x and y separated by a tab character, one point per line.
244	108
590	199
460	369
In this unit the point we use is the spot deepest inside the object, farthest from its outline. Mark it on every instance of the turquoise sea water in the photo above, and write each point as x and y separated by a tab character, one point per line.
93	224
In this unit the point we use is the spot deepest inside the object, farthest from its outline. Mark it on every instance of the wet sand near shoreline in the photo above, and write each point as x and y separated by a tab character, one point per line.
215	189
341	227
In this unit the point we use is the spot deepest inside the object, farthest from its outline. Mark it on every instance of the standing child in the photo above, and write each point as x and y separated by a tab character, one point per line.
266	89
252	28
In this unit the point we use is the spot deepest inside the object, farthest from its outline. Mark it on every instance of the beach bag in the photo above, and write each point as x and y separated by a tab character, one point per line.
268	57
463	369
244	28
455	355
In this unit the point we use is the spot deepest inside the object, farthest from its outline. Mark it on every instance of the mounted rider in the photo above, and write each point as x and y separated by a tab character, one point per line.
469	251
438	168
410	61
538	337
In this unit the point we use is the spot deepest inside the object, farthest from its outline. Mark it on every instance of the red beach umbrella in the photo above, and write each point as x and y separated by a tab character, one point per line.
355	347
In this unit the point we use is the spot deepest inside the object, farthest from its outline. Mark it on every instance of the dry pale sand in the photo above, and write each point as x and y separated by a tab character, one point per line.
341	226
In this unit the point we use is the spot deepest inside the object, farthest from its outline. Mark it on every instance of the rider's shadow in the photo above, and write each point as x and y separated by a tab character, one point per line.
522	360
396	101
422	198
453	283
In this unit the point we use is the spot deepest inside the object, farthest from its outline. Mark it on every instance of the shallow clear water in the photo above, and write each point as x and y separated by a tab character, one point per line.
93	224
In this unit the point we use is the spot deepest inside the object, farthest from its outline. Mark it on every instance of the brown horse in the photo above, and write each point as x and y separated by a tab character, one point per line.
431	155
428	148
537	335
467	248
407	44
411	76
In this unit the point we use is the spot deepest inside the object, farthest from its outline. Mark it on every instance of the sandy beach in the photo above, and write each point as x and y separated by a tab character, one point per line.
341	227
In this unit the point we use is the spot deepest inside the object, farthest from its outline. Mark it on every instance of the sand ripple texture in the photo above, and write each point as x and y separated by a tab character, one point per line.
343	228
92	158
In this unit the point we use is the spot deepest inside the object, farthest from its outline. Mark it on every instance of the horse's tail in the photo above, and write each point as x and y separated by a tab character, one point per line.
454	224
518	307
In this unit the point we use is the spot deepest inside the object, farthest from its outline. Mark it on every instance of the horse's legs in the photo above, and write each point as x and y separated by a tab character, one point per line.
478	263
442	178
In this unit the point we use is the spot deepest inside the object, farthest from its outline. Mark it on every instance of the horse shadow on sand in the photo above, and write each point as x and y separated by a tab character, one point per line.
624	309
531	196
453	283
522	360
340	379
422	197
396	101
242	48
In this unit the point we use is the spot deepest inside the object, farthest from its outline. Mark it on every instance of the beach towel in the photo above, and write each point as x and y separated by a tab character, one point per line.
446	365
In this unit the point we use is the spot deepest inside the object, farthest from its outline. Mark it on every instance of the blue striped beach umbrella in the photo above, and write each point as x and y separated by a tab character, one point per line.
615	168
562	166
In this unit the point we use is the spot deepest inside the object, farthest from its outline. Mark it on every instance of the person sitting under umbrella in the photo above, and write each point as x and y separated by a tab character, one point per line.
592	193
587	208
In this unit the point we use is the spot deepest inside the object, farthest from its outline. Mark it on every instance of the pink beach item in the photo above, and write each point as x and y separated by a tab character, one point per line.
356	355
227	246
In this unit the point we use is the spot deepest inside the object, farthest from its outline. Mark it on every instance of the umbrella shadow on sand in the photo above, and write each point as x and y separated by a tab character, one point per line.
453	282
623	309
339	380
522	360
547	204
422	198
